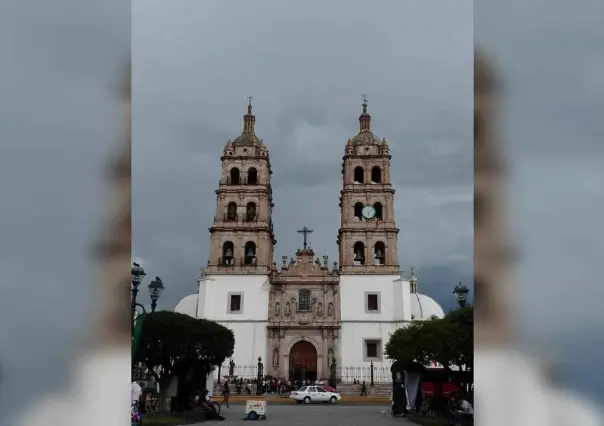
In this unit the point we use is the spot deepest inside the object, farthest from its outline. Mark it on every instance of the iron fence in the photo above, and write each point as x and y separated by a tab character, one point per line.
360	373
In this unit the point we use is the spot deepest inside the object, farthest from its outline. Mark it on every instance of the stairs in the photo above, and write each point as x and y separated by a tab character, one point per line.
380	390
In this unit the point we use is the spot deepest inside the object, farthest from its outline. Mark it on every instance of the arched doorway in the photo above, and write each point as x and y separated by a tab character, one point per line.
303	362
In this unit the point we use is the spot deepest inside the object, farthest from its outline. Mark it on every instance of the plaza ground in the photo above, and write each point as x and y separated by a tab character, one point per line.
313	415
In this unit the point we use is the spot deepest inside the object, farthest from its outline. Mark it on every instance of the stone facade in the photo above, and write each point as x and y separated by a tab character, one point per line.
242	236
303	307
367	245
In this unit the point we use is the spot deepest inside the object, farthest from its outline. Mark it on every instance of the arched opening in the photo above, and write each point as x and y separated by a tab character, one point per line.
228	253
379	253
358	210
359	253
376	175
304	304
378	210
232	211
250	253
252	176
250	211
234	176
303	362
359	175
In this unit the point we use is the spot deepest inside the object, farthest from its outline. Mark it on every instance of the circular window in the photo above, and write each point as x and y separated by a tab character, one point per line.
244	149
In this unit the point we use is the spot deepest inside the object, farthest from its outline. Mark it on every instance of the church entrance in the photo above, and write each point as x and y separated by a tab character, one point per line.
303	362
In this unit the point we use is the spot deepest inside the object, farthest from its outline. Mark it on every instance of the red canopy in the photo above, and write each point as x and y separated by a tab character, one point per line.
446	388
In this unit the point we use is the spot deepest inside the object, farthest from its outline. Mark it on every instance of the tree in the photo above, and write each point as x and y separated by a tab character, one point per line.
182	345
448	341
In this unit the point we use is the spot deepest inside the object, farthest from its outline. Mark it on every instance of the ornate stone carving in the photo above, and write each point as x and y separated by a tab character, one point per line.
330	309
288	309
276	357
277	309
330	357
320	310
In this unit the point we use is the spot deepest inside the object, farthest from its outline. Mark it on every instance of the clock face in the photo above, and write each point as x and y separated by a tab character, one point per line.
368	212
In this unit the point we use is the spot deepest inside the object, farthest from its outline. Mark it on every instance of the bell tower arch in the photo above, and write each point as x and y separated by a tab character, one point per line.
368	235
241	237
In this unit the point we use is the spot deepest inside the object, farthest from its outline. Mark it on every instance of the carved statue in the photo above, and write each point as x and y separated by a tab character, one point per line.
277	309
276	357
330	357
330	309
231	367
320	310
288	309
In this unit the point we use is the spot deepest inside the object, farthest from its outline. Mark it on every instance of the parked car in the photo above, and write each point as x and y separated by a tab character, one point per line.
308	394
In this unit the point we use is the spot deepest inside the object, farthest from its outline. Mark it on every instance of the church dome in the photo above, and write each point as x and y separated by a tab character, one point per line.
187	306
424	307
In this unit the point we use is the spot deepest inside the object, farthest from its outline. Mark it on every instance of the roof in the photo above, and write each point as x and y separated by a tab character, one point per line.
424	307
188	306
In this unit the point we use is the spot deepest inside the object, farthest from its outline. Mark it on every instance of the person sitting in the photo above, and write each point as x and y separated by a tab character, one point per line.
203	402
462	412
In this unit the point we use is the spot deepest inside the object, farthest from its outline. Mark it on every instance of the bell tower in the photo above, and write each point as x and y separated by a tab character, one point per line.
367	238
241	237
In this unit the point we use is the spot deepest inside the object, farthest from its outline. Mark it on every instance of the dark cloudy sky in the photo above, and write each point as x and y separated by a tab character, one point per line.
306	65
306	71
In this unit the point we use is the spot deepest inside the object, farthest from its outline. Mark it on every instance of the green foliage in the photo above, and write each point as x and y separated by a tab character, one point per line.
449	341
183	345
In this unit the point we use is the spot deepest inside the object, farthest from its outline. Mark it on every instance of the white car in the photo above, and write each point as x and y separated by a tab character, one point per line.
308	394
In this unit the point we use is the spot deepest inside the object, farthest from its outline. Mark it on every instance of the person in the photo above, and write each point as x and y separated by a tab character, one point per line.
462	409
226	391
363	389
135	393
202	400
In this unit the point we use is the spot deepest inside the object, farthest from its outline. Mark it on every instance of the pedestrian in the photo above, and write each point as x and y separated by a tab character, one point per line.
363	389
226	392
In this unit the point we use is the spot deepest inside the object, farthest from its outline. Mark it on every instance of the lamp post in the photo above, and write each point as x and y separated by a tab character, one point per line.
461	294
372	384
156	287
259	379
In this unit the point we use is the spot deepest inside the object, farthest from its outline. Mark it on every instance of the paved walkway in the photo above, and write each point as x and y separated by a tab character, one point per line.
314	415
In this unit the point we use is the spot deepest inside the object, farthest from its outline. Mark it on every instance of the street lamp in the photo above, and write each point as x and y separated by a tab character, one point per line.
155	289
461	294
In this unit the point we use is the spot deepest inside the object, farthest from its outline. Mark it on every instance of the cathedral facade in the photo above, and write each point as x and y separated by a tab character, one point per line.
306	315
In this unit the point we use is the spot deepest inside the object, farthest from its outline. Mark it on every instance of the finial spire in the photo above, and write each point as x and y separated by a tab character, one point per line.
365	118
249	119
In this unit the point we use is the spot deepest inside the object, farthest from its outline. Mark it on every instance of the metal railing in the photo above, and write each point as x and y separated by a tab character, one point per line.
381	374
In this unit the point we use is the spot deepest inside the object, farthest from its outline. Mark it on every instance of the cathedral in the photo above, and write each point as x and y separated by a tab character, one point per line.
303	315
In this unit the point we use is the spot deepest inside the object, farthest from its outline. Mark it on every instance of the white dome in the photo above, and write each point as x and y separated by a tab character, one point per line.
424	307
188	306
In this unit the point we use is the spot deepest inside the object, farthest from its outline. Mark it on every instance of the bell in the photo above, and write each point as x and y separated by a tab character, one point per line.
379	254
359	256
250	252
229	254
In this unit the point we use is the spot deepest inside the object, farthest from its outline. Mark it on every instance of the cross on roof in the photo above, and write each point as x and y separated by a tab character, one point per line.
305	231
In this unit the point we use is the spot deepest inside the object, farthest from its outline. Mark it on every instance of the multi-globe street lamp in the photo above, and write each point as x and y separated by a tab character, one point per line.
461	294
156	287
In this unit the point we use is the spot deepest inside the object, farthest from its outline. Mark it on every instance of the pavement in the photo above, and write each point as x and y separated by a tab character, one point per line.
315	415
274	399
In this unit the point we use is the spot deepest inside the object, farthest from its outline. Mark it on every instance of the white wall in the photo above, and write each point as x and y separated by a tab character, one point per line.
249	326
353	335
394	302
214	294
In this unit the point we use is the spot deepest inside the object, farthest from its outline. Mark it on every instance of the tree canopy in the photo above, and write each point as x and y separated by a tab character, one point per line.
448	341
182	345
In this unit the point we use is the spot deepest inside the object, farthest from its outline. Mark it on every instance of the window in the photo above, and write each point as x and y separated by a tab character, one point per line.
234	176
250	253
228	249
231	211
378	210
376	175
304	300
372	302
358	211
372	349
250	211
252	176
359	175
235	303
320	389
379	253
359	253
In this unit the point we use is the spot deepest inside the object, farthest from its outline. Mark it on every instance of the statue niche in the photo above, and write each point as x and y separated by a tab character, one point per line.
330	309
275	357
288	309
320	309
277	309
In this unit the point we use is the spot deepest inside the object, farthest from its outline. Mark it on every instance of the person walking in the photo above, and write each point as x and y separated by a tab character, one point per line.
226	392
363	389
